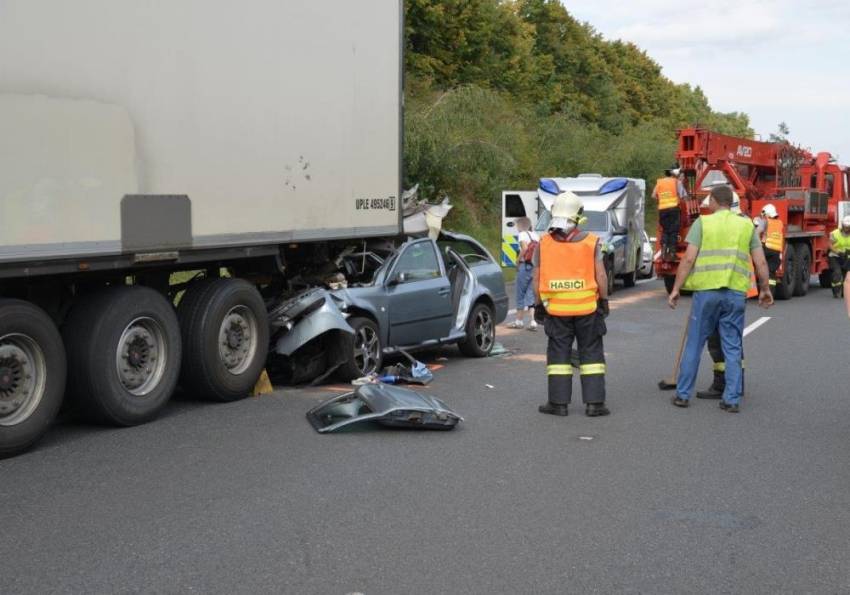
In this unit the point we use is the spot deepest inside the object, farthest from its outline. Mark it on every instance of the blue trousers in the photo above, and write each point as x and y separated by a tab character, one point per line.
524	286
721	309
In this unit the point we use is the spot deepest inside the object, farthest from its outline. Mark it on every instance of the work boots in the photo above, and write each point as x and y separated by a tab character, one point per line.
596	410
553	409
715	391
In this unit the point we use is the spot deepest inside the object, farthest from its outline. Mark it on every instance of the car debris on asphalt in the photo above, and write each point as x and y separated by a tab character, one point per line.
390	406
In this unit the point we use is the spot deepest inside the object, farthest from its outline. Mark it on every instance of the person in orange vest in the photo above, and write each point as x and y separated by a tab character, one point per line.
772	235
572	302
668	191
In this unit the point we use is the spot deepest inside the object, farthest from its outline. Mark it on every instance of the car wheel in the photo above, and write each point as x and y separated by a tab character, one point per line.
609	269
225	333
124	348
480	332
363	353
32	374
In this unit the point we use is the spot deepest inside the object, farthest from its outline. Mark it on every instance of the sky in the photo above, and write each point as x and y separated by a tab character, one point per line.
776	60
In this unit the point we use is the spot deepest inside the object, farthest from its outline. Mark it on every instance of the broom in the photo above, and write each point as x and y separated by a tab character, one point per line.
670	383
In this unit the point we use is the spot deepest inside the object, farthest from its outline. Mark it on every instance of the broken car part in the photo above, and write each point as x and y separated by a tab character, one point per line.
387	405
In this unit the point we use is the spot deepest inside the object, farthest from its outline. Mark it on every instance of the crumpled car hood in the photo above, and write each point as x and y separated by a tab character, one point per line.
388	405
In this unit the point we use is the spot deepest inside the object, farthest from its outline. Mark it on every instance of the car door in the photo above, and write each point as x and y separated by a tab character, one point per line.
418	296
515	204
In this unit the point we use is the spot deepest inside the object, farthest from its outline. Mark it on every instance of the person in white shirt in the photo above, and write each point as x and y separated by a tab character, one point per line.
528	241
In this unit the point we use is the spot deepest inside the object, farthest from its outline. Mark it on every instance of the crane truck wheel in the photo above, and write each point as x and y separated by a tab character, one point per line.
786	286
32	374
803	264
124	350
225	333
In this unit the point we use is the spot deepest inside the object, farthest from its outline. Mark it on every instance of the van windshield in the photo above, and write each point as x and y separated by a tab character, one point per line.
596	221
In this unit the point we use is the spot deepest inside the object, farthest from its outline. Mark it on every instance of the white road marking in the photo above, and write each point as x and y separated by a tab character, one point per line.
755	325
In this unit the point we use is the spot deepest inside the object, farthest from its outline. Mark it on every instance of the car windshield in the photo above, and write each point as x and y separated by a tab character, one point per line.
596	221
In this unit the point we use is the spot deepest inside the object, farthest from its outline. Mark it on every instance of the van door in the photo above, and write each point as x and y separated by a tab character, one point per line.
515	204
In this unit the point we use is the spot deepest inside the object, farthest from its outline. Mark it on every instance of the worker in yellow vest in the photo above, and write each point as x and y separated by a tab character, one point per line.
716	268
572	302
773	240
839	255
715	348
668	191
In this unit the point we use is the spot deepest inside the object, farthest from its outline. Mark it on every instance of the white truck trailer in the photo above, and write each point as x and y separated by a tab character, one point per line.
143	139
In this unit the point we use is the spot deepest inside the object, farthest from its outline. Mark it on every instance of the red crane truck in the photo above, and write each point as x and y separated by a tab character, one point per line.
809	191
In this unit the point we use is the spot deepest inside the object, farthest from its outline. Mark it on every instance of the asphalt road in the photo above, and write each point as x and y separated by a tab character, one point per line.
247	498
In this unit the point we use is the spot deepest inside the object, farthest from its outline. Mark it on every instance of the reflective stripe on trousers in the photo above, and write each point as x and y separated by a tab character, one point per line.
587	332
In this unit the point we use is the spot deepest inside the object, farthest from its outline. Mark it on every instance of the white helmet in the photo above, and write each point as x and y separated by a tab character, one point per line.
769	211
567	206
845	222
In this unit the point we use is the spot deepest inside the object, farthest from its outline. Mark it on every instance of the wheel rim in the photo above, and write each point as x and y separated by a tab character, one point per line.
484	330
23	375
237	339
367	349
141	356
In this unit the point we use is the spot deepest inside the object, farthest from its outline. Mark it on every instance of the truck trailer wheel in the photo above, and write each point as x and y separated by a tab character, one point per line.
786	286
803	264
123	348
32	374
225	333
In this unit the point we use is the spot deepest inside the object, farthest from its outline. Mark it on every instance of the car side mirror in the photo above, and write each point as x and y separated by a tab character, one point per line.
397	279
620	231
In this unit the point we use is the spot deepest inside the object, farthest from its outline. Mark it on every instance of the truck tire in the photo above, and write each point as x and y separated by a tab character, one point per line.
363	353
825	279
480	332
803	264
32	374
786	286
124	350
225	333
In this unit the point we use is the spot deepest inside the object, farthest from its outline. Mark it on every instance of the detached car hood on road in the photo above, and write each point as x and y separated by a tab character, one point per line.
388	405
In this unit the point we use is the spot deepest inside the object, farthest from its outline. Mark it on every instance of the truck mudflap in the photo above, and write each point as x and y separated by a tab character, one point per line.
391	406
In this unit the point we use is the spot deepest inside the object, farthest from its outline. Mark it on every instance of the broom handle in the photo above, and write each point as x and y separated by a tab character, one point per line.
678	359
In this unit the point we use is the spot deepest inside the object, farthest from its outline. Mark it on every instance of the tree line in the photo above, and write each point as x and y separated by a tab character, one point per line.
502	92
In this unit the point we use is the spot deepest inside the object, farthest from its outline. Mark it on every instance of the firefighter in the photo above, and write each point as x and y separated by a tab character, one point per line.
716	268
668	191
572	301
839	255
772	236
